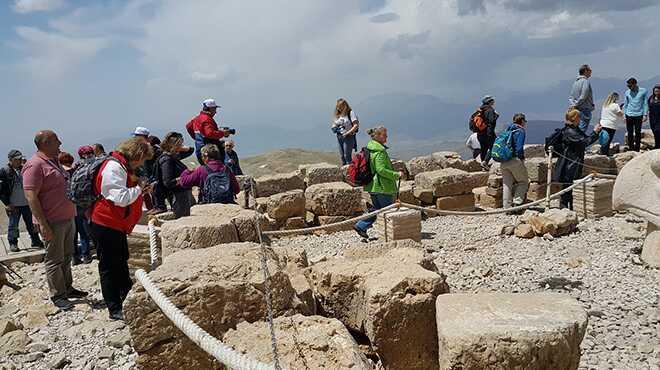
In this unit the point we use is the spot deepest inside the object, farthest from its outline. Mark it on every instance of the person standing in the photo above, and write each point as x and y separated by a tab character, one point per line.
654	114
515	179
45	185
226	186
83	241
473	144
582	97
610	116
383	187
16	205
345	125
487	137
171	168
570	163
115	215
204	130
231	158
635	107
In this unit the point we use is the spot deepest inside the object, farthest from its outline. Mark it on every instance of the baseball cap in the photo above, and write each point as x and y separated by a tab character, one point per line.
210	103
15	154
85	149
141	131
487	99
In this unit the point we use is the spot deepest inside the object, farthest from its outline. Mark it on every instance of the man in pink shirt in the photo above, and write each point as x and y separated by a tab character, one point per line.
45	184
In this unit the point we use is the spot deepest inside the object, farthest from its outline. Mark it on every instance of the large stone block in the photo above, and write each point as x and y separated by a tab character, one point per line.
424	196
304	342
427	163
243	219
471	165
139	249
407	193
286	205
329	220
391	306
636	187
280	183
502	331
538	191
598	163
621	159
399	224
217	288
450	181
556	222
534	151
537	170
333	199
464	202
321	173
651	248
196	232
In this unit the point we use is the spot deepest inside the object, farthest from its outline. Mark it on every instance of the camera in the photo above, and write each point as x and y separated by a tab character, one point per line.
232	131
336	129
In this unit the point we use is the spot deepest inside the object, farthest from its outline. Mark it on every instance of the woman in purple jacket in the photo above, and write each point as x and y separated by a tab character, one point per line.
213	161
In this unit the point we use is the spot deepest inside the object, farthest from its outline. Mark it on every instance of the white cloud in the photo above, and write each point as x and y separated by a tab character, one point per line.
566	23
29	6
51	55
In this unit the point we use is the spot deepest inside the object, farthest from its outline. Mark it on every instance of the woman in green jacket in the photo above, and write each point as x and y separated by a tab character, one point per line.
383	187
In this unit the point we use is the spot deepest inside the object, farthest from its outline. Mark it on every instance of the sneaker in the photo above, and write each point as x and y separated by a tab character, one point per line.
117	316
63	304
361	232
75	293
13	248
485	166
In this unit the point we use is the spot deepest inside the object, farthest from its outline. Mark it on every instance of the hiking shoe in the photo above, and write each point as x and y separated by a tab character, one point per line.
75	293
485	166
63	304
117	316
361	232
13	248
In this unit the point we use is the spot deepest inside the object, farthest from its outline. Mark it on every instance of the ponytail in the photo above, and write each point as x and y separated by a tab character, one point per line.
373	132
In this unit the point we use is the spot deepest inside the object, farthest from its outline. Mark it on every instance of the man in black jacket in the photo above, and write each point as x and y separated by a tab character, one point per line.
16	206
487	137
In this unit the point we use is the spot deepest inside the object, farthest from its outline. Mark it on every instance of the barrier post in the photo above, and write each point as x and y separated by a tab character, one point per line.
548	189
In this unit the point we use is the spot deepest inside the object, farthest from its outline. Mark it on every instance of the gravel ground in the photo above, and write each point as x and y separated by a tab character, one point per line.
597	265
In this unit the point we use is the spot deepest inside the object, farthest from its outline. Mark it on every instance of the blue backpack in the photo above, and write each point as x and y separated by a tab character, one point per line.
502	150
217	188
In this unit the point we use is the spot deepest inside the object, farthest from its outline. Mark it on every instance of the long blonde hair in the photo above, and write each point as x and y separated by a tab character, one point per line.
612	98
135	149
342	108
571	116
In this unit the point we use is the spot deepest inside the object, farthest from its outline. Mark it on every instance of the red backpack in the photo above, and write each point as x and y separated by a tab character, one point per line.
359	171
477	122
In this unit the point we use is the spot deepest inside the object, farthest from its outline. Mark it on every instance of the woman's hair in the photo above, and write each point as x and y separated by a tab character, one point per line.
572	115
65	159
373	132
612	98
212	152
135	149
342	108
170	141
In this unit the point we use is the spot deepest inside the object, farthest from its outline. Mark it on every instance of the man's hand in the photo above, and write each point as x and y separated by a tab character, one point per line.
598	128
45	231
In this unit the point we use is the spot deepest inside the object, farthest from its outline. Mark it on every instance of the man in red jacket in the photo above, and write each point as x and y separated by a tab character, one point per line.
204	130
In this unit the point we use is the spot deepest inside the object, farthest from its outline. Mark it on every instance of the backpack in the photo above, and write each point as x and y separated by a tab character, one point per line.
81	190
477	122
359	171
502	150
556	141
217	188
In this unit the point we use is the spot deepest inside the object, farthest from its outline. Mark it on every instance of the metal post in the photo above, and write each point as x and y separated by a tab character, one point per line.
548	189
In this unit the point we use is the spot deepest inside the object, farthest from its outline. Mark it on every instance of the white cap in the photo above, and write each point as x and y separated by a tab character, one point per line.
210	103
141	131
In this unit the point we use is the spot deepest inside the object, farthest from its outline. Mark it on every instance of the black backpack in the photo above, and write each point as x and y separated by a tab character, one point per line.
556	141
217	188
81	184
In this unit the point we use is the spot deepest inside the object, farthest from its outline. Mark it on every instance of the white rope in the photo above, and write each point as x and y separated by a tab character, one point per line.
199	336
153	245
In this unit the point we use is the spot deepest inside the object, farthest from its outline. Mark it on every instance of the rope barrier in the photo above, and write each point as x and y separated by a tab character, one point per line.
606	169
199	336
153	245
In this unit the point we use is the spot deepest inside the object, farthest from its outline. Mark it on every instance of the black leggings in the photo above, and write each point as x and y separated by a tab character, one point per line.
486	141
112	251
634	126
605	149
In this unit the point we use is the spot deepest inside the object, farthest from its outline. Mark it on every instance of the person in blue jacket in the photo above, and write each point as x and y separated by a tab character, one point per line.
636	109
514	173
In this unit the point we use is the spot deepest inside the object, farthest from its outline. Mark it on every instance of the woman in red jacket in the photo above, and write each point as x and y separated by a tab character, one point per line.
114	216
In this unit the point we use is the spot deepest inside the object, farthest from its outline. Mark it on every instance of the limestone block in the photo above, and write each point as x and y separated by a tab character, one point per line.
599	164
651	248
139	250
524	231
333	199
425	196
389	305
464	202
594	199
294	223
478	193
450	181
321	173
400	166
407	193
242	219
427	163
261	204
495	181
494	192
621	159
399	224
304	342
328	220
556	222
471	165
636	187
13	343
196	232
534	151
537	170
280	183
538	191
286	205
501	331
490	201
217	288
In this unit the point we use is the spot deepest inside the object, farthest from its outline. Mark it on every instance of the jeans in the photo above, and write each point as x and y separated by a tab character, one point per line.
585	119
346	146
515	182
183	201
379	201
605	149
81	241
13	231
115	277
634	126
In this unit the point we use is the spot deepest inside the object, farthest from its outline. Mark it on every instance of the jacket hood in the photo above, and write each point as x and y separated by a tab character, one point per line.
216	165
581	78
375	146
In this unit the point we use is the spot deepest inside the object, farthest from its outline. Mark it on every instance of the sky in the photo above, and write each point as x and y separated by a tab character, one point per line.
96	69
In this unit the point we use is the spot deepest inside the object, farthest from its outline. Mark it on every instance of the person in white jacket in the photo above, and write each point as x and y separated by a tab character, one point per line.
610	116
473	144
